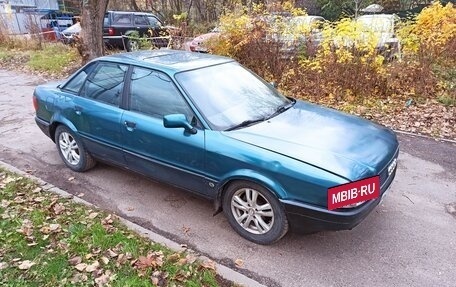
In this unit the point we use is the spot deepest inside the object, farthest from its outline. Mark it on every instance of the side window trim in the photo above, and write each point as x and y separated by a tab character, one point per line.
125	97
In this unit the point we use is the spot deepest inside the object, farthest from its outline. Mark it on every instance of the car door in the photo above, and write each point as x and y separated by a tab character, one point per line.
97	114
141	24
172	155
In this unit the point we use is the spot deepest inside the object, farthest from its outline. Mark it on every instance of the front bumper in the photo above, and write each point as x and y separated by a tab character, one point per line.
305	218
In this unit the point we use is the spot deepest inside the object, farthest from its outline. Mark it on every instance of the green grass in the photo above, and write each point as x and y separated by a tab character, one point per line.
43	238
52	58
5	55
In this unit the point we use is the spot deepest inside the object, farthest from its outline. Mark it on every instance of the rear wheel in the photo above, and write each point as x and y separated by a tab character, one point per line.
132	45
254	212
72	151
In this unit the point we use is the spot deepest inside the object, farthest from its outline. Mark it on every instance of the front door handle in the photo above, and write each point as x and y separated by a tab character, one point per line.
130	125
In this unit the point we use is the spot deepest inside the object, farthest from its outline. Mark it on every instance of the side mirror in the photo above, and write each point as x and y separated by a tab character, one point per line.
178	121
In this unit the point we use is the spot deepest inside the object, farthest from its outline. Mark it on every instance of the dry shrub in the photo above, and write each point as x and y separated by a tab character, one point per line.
347	66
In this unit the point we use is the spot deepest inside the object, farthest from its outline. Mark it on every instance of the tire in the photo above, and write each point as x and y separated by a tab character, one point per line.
132	45
71	150
241	203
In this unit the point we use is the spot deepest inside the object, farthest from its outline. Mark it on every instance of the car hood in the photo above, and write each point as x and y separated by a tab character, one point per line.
342	144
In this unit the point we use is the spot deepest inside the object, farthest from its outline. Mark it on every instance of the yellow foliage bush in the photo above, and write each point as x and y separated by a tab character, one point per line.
433	29
349	65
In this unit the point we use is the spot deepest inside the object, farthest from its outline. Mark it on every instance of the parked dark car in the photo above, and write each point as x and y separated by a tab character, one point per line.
123	30
118	24
206	124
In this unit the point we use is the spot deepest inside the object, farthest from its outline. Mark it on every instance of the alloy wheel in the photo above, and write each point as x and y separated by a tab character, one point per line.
69	148
252	211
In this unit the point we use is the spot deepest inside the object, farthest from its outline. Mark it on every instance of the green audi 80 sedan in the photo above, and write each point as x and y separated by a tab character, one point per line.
208	125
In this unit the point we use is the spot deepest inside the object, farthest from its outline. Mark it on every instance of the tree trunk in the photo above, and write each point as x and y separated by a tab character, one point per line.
92	29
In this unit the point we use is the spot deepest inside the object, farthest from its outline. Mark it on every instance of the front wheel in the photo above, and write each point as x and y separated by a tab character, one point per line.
254	212
72	151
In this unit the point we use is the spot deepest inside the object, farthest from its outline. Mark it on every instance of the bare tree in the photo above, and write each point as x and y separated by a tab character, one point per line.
92	16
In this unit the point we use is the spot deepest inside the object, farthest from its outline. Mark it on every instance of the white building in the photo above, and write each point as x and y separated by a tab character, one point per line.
23	16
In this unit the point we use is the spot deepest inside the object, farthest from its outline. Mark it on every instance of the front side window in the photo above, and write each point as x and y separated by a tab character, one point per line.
141	20
154	22
154	94
105	84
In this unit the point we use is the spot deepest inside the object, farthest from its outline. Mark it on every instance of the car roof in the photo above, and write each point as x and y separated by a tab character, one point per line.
172	61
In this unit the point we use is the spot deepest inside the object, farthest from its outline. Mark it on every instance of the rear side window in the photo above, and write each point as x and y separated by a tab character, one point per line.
75	84
106	20
121	19
105	84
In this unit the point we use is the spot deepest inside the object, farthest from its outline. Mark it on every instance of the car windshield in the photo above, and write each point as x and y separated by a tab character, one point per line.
229	96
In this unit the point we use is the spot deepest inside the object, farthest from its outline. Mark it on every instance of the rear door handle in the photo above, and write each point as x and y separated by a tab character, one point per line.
130	125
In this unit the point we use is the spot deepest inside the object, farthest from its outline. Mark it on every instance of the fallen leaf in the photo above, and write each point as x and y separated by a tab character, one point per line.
105	260
102	280
3	265
111	253
71	178
190	258
54	227
181	275
208	264
26	228
239	263
80	195
75	260
186	230
37	190
58	208
39	199
174	257
80	267
92	267
151	260
93	215
25	265
79	277
45	230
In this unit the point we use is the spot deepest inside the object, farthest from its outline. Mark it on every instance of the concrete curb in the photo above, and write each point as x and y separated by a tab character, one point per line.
424	136
222	270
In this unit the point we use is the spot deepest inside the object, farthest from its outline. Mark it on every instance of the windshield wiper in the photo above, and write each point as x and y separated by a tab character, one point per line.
283	108
246	123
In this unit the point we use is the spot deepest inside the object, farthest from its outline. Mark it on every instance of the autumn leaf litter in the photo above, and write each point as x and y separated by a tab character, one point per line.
47	224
